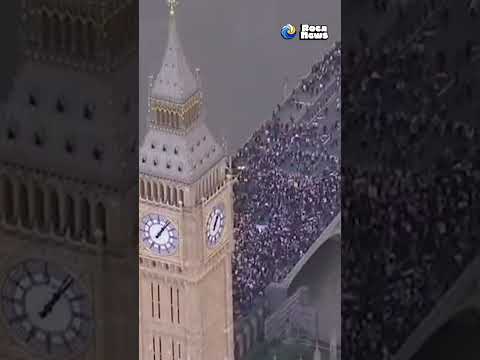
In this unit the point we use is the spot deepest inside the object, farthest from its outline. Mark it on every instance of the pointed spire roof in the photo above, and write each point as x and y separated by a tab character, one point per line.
175	82
181	156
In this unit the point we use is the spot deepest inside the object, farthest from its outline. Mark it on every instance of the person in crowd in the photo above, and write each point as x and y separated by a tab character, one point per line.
413	237
288	189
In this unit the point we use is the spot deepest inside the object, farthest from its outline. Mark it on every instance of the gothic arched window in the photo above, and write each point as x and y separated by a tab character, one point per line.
149	190
8	201
70	215
162	193
45	31
142	189
39	207
79	39
155	191
57	33
23	205
101	219
54	209
68	34
91	39
85	218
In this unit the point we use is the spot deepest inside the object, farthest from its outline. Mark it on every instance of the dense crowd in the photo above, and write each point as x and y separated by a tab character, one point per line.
288	188
409	211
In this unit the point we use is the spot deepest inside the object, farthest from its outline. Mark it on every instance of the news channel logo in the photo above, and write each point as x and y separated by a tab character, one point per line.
288	31
307	32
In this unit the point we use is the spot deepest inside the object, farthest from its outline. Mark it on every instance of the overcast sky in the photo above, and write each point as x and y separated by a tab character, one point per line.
238	48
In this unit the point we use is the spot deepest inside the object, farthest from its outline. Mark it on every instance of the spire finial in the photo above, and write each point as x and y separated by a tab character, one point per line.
172	4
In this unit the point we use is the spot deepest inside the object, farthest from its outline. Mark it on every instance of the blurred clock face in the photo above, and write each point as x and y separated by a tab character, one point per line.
46	309
215	226
159	235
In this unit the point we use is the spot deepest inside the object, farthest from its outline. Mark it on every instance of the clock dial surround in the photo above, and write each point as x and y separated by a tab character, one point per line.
159	235
46	309
215	226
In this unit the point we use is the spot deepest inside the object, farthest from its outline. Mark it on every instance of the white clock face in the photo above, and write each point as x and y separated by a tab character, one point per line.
46	309
159	235
215	226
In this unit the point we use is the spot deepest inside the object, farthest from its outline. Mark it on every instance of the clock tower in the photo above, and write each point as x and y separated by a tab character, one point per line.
68	184
186	221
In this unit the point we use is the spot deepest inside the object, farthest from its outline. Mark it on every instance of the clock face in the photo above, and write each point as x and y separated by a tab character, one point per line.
159	235
215	226
46	309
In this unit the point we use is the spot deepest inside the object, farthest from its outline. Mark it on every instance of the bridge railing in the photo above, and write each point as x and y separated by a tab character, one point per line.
276	323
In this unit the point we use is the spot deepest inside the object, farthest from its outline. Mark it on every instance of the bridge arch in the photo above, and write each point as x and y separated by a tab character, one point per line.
462	298
332	231
455	339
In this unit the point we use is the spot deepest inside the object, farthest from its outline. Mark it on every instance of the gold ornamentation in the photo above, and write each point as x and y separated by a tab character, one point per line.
172	4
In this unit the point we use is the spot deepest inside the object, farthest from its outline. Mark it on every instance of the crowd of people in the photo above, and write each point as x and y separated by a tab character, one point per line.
409	200
288	188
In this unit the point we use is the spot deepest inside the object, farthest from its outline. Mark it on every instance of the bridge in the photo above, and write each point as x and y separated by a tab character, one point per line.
457	315
332	230
291	298
309	296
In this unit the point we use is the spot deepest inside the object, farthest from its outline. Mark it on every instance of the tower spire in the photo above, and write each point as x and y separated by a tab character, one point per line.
172	4
175	82
176	119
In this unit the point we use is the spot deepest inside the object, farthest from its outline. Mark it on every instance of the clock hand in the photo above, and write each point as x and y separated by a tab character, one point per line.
215	223
162	230
47	309
56	297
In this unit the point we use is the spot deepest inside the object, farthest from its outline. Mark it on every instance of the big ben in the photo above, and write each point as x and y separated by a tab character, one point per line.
185	220
68	265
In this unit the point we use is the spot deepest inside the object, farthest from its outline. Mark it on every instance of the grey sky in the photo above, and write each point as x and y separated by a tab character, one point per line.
237	46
